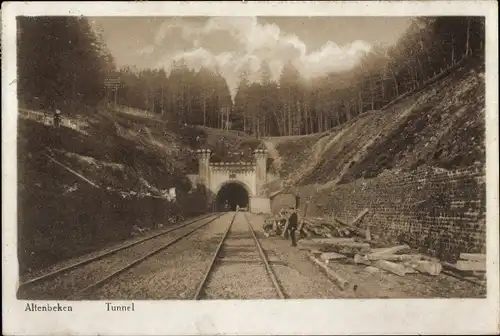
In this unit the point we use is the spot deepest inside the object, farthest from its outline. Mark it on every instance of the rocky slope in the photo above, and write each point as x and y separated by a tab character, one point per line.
442	125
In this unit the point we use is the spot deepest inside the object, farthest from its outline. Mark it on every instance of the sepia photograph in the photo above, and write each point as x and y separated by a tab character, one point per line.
258	157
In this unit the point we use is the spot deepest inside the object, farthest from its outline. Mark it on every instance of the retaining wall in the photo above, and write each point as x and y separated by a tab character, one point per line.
440	212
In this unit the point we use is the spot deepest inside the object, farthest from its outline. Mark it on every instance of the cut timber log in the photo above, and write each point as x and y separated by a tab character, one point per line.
392	257
428	267
301	225
372	269
389	250
359	232
307	232
466	265
341	282
333	241
410	270
285	228
391	267
349	244
368	235
340	242
341	221
359	259
473	256
358	218
331	256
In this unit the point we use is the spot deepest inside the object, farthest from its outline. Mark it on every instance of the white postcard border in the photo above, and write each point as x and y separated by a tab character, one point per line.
293	317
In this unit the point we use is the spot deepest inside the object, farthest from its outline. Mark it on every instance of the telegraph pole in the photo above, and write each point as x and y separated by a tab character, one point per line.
113	83
162	111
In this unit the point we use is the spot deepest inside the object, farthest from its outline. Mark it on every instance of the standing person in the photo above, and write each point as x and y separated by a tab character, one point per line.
292	225
57	118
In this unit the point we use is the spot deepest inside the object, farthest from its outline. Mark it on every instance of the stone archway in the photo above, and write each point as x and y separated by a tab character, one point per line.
231	194
250	176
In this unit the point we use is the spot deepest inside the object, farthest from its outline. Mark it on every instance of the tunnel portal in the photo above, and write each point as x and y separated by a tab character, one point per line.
231	195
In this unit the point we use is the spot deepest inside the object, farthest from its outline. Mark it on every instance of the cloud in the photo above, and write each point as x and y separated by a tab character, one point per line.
232	44
147	50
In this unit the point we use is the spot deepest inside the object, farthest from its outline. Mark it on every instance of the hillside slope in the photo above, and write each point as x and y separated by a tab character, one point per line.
105	175
97	180
442	125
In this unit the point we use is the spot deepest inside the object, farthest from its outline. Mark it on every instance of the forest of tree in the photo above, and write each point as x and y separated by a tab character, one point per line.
62	62
183	96
293	106
71	63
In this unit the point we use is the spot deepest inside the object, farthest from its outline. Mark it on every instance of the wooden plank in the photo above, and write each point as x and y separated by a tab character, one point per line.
466	265
473	256
341	282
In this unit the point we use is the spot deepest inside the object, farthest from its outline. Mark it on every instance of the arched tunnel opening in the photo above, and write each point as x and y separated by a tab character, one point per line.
231	195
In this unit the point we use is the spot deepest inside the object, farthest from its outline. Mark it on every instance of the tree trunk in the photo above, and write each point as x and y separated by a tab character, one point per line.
337	114
395	80
299	116
204	111
372	93
453	50
311	123
360	102
467	39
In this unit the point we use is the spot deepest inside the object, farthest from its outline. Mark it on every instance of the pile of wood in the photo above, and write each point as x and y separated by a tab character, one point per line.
397	259
275	225
335	227
346	243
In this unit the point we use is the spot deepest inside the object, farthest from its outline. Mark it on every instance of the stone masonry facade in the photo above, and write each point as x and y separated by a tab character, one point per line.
439	212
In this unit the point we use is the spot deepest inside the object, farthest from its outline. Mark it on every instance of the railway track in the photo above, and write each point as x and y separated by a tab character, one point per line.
80	278
239	257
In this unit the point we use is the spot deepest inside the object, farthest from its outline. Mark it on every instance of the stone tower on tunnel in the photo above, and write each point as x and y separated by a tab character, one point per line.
228	181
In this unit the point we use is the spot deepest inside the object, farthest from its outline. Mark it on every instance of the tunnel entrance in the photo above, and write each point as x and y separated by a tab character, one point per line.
231	195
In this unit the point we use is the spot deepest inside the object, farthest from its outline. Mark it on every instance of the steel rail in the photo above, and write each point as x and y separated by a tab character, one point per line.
141	259
212	262
269	270
108	253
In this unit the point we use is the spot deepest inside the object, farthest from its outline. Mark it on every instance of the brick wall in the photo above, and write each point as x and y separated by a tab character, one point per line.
440	212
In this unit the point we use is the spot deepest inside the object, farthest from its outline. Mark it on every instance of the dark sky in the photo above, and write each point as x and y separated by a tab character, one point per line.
316	45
